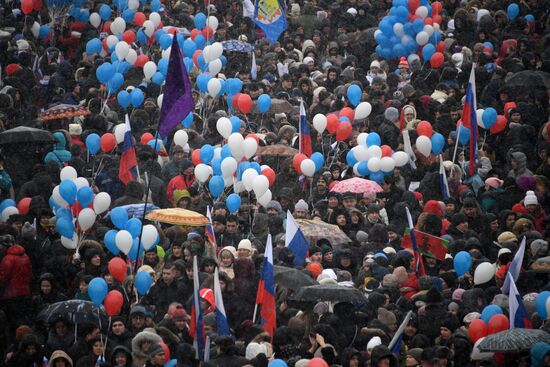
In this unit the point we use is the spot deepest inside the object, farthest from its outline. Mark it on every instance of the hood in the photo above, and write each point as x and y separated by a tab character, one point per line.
308	44
16	250
521	160
409	108
538	352
140	338
231	249
61	141
58	354
121	348
486	166
379	352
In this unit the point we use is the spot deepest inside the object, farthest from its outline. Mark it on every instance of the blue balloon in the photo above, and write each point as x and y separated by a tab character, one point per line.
386	27
158	35
203	66
200	21
105	12
134	227
243	166
354	94
207	153
115	83
223	59
233	203
318	159
234	86
256	166
85	196
377	177
123	99
489	117
540	304
462	263
202	82
158	78
92	143
489	44
188	120
43	31
216	166
65	227
171	363
402	13
418	25
155	144
200	42
155	5
363	168
235	124
133	253
512	11
7	202
51	202
438	143
264	103
373	139
165	41
93	46
119	217
105	72
128	15
97	290
490	311
428	51
110	242
216	185
222	89
143	282
189	65
530	18
137	97
64	213
226	151
142	37
189	48
67	190
464	135
350	159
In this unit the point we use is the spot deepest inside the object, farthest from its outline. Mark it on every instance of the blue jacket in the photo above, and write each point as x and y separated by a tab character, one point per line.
60	154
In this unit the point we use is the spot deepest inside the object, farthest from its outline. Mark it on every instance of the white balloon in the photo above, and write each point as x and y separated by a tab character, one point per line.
214	87
422	38
363	110
206	54
166	53
68	173
57	198
95	20
478	355
307	167
216	50
260	185
249	147
265	198
236	142
102	202
122	49
387	164
148	28
8	212
118	26
484	272
112	40
35	29
149	236
400	158
424	145
133	4
360	152
362	138
124	241
212	22
374	151
149	69
320	122
203	172
422	11
374	164
215	66
238	187
356	169
70	243
228	166
81	182
437	27
181	138
224	127
398	29
155	18
132	56
119	133
86	218
406	39
159	100
248	178
479	114
547	306
412	58
160	161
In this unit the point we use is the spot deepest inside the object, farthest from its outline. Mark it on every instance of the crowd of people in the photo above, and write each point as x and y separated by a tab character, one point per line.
327	47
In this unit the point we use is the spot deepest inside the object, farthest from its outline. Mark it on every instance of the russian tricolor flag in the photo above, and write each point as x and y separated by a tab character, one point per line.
196	324
305	132
417	255
469	118
221	316
515	267
295	240
208	230
395	344
443	180
518	314
128	161
265	298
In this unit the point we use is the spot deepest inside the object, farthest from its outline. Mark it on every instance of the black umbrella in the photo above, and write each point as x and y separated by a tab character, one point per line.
291	278
329	293
529	79
513	341
23	134
74	311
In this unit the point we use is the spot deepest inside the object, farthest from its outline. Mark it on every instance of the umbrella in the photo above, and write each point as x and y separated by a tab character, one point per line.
329	293
136	210
291	278
541	265
64	111
74	311
277	150
237	46
23	134
316	230
277	106
357	186
529	79
513	340
178	216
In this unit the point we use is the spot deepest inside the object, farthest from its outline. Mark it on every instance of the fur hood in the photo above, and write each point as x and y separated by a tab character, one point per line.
140	338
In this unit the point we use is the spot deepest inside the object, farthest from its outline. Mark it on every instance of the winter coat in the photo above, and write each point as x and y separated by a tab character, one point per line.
521	169
139	357
161	295
21	359
227	270
379	352
16	273
59	354
60	154
112	362
230	360
429	322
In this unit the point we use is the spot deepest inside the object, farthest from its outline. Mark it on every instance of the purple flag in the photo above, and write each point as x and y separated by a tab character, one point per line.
178	100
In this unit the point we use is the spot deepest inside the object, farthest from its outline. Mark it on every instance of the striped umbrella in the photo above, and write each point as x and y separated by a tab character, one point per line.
513	341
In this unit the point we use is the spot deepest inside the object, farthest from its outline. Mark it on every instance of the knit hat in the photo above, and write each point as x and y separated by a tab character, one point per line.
471	317
401	274
530	199
21	331
12	69
390	280
403	63
374	342
375	64
433	207
494	182
180	314
245	245
506	236
137	310
155	349
253	349
75	129
361	236
389	250
308	59
302	206
386	317
315	269
415	353
539	247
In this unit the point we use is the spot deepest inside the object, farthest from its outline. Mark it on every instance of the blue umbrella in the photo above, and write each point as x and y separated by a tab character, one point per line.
237	46
136	210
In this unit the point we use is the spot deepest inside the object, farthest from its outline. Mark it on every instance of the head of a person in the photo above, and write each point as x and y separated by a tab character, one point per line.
232	224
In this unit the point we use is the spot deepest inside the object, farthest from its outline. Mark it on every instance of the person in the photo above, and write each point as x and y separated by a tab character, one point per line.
60	359
120	357
157	356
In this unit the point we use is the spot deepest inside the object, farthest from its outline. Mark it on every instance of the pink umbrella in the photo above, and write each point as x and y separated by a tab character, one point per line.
356	185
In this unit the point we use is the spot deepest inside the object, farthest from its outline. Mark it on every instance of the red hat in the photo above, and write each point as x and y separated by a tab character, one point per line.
208	295
12	69
403	63
315	269
180	314
433	207
518	208
418	195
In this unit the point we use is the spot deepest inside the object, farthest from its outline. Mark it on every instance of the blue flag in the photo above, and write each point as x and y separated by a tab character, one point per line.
269	15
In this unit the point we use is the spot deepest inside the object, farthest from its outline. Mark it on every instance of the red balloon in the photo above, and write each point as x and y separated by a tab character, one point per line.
141	60
235	102
270	174
139	18
297	160
245	103
172	30
498	126
440	47
424	128
166	352
128	36
428	20
386	151
347	112
104	43
413	5
207	32
317	362
436	8
332	123
37	5
437	18
437	60
498	323
344	131
253	136
117	268
196	57
113	303
194	33
508	106
196	157
107	27
145	138
107	142
477	330
23	205
27	6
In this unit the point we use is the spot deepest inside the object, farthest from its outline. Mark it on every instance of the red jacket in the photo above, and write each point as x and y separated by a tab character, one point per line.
178	183
16	273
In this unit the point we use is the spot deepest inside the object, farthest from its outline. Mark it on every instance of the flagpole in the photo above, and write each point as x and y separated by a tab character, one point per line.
399	331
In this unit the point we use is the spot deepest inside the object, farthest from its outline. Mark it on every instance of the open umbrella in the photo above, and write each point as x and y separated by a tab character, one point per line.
28	135
356	185
136	210
315	230
277	106
178	216
328	293
529	79
513	340
74	311
291	278
277	150
64	111
237	46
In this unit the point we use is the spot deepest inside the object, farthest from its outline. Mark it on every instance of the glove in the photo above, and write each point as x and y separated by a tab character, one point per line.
28	232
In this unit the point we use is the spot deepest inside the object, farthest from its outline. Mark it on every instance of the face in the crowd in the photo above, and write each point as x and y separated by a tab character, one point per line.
341	220
242	252
384	362
231	227
450	208
333	202
97	348
118	328
355	219
321	184
272	212
349	202
444	332
410	361
316	257
60	328
138	320
531	207
151	257
45	287
83	287
470	212
510	220
494	225
463	226
227	258
409	116
95	260
392	235
345	262
121	359
298	213
187	255
373	217
176	250
168	275
60	362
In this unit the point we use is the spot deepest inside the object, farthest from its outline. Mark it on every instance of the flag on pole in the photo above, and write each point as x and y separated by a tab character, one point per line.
265	298
196	324
305	132
295	240
515	267
221	316
269	15
469	118
128	162
178	99
208	229
254	67
419	268
518	314
395	344
443	183
428	244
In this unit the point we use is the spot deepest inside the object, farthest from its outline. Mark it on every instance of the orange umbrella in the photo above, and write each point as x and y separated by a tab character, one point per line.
177	216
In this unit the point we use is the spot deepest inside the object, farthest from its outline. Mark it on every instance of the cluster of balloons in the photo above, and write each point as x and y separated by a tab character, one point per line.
8	208
412	30
492	321
308	166
428	141
99	293
340	124
107	143
487	119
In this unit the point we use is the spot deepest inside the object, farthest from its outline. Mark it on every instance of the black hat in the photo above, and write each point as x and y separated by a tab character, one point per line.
349	195
155	349
429	355
373	208
219	218
458	218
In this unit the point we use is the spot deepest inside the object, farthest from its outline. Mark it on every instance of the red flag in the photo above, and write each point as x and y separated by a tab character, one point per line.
428	244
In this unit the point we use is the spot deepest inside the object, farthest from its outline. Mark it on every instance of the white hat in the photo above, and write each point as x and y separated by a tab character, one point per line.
375	64
457	59
503	251
307	60
75	129
301	205
352	11
245	244
374	342
253	349
530	199
389	250
23	45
